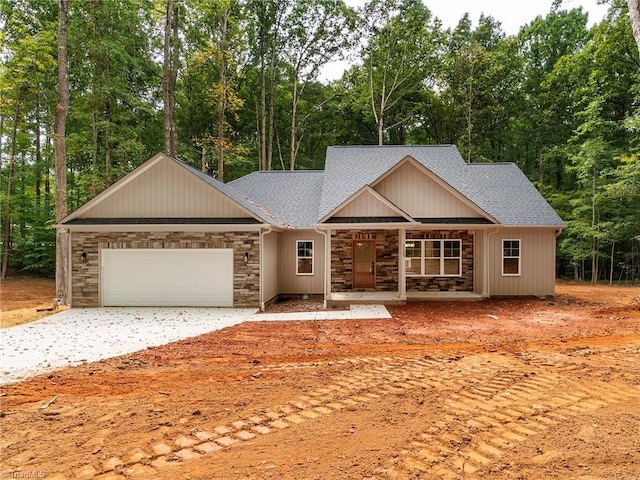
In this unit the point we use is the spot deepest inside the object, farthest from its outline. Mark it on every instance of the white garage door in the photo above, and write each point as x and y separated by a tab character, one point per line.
167	277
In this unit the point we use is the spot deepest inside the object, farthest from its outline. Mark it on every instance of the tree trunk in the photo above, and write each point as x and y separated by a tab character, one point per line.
59	140
166	68
379	118
634	16
175	60
38	169
107	139
222	103
613	251
262	123
273	69
169	78
94	132
47	175
469	132
8	203
272	86
293	132
1	130
271	125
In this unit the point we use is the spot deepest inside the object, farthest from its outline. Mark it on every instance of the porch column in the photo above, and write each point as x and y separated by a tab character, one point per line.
327	266
402	277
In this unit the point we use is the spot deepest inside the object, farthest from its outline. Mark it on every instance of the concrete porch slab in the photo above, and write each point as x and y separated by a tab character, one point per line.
364	298
354	312
443	296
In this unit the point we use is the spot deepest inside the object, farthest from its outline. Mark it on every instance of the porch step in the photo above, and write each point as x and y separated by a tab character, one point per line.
443	296
344	299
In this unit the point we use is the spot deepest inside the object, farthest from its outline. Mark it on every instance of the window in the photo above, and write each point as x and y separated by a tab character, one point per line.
433	258
304	257
510	257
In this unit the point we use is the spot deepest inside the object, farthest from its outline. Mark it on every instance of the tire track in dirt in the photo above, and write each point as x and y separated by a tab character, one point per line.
487	403
481	423
375	377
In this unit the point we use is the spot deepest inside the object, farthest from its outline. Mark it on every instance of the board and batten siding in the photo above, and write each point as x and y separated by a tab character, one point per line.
366	205
537	262
289	282
415	192
479	267
166	190
270	247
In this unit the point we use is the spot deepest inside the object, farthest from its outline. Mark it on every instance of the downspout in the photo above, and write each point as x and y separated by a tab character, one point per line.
327	260
263	232
487	264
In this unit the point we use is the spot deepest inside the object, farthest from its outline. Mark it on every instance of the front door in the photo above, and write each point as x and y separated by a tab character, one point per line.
364	263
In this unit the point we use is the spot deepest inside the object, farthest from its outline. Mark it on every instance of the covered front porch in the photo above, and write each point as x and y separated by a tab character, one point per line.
403	265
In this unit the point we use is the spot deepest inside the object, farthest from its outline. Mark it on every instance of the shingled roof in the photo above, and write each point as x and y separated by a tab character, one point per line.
292	196
300	199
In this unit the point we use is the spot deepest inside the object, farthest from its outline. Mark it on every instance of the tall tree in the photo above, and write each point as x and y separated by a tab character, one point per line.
59	141
7	224
317	32
603	138
266	34
223	87
209	83
479	84
170	75
403	46
548	115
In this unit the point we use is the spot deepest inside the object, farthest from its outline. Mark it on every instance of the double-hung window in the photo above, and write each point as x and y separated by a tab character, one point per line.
304	257
433	258
511	257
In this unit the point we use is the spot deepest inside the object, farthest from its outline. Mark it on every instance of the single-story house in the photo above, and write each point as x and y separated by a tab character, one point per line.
379	224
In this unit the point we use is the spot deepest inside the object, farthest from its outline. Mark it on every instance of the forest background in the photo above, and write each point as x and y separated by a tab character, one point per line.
233	86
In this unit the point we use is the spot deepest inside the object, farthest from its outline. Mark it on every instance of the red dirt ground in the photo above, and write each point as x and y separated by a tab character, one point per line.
500	389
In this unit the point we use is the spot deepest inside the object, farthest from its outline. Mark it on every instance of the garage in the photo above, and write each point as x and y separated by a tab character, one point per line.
167	277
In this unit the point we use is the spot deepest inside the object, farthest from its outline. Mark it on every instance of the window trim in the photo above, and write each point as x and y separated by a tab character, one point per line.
518	257
442	257
298	258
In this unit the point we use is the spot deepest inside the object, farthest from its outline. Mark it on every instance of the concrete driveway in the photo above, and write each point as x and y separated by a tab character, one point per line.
76	336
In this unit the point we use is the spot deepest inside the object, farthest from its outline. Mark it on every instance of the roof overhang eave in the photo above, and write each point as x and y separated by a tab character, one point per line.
366	226
166	227
546	227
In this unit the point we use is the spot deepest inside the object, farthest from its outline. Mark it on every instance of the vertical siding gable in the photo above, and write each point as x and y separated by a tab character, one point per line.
413	190
366	205
166	190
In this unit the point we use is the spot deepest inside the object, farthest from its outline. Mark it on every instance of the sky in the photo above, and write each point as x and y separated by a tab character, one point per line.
511	13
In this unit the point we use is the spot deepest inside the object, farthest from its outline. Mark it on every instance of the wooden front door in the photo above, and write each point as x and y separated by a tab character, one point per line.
364	263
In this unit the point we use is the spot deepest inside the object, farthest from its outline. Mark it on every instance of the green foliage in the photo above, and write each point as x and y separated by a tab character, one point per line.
558	99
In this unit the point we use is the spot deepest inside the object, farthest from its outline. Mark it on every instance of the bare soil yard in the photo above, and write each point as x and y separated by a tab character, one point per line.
25	299
500	389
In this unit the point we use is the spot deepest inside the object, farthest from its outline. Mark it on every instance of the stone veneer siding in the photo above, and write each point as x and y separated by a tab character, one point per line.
85	276
446	284
386	259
